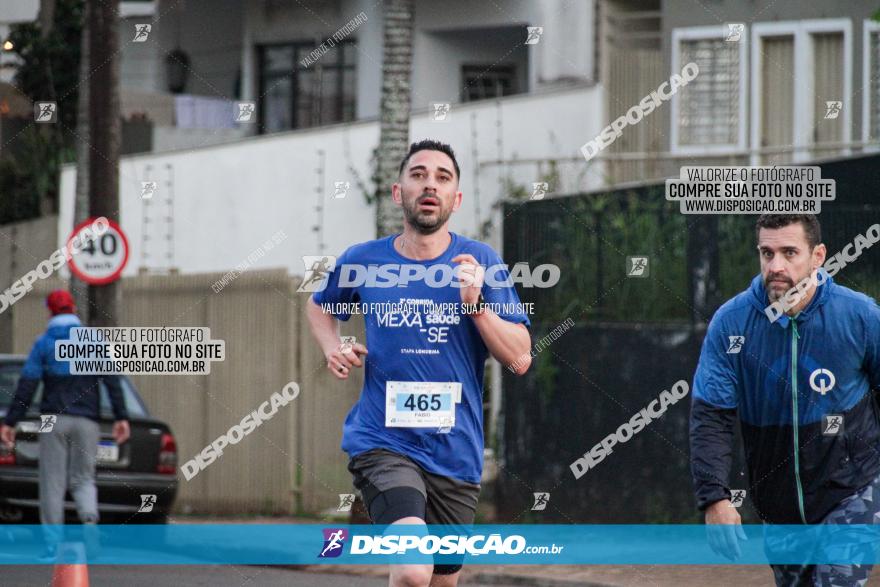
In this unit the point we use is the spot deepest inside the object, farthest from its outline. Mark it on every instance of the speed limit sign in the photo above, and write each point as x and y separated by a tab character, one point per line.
98	260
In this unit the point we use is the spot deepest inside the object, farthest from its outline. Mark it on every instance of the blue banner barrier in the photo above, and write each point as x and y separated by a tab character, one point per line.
539	544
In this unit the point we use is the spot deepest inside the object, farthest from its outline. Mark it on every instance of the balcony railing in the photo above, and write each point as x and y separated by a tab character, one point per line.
576	174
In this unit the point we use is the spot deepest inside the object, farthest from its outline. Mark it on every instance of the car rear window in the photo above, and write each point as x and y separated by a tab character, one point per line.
9	374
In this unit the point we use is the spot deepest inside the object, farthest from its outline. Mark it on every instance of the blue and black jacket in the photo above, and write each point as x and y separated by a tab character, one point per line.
786	380
63	393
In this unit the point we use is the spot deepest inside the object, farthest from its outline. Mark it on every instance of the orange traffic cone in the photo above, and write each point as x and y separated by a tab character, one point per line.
71	575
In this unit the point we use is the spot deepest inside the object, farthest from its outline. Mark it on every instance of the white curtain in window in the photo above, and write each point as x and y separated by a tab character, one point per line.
874	72
828	70
709	105
777	97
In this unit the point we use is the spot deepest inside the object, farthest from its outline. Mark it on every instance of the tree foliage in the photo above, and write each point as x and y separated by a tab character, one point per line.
30	162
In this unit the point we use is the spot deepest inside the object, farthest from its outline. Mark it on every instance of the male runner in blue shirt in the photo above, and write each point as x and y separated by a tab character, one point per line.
415	437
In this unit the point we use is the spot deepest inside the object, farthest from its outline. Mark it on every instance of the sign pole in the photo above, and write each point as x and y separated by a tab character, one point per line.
104	121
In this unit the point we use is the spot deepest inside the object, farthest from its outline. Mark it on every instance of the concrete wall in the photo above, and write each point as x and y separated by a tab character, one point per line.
446	35
23	246
439	57
228	199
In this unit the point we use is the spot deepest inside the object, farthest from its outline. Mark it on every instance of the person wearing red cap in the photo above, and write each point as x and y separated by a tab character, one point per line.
68	451
60	302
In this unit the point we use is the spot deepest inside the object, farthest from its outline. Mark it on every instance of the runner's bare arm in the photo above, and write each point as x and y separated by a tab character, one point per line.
509	343
325	329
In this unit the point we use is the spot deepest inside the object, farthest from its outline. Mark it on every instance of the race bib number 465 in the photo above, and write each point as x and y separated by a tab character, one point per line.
421	404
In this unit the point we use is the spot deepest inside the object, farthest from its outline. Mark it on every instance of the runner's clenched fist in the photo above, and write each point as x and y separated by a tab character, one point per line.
470	275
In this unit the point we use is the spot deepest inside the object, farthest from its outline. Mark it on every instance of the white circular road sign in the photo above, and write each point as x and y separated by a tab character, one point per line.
100	260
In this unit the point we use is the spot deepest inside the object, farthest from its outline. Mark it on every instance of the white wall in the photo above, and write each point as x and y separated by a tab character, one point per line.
565	52
228	199
567	46
439	57
142	64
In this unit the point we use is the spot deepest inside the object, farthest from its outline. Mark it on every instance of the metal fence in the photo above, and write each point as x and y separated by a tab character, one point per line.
634	337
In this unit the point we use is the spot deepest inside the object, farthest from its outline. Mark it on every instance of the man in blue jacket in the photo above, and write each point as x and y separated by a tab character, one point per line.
800	383
68	452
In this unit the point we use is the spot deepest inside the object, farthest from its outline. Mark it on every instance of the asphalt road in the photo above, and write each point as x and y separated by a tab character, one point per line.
190	576
185	576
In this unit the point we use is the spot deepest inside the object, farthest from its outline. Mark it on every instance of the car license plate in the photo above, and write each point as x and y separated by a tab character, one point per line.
108	452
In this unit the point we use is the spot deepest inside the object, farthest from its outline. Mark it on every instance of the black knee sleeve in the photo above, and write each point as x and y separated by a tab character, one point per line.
394	504
386	507
446	569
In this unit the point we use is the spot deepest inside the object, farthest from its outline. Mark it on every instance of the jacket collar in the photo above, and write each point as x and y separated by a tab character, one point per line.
64	320
758	299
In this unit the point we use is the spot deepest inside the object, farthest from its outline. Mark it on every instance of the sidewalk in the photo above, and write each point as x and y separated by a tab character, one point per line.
550	575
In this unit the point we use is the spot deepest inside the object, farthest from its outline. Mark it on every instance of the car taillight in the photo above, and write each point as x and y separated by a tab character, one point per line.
7	455
167	455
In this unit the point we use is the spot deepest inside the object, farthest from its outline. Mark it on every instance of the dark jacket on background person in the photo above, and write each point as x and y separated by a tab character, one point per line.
781	379
63	393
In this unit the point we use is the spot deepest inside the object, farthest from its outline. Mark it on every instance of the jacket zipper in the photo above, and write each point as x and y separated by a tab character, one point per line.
794	412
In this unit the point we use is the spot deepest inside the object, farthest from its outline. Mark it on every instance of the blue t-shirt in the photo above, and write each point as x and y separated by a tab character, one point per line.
419	346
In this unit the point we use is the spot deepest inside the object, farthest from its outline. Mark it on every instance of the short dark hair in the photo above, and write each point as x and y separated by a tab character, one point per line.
811	225
430	145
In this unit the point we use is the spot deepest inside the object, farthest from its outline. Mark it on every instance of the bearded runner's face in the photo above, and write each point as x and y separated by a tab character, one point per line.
786	258
428	191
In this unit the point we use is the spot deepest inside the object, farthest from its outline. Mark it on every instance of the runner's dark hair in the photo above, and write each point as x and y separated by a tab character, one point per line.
430	145
811	225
